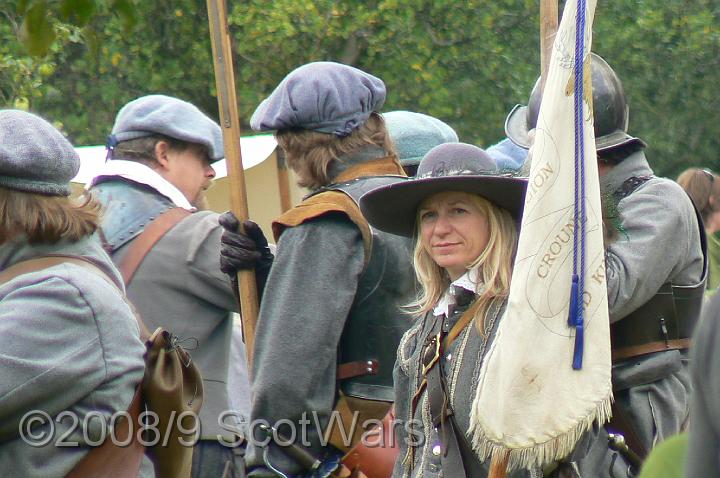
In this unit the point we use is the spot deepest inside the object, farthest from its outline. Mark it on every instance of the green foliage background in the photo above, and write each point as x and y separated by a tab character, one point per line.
465	62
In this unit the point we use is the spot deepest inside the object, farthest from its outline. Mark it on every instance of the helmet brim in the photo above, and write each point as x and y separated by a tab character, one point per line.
518	130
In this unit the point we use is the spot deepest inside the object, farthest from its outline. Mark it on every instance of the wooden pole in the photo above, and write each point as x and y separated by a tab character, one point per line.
548	30
230	124
283	180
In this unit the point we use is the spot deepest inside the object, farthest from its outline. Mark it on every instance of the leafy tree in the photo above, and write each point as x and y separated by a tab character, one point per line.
466	62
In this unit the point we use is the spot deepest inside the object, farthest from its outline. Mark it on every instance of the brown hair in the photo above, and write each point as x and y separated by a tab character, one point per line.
310	153
495	264
703	187
142	150
46	219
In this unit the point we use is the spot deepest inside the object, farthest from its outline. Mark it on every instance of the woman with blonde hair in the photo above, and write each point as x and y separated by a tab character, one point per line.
703	187
70	351
463	215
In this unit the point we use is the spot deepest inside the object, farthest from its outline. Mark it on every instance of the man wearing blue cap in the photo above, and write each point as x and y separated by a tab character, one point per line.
414	134
330	320
161	152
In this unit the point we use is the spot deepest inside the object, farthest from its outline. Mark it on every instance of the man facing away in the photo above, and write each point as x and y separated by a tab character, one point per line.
161	152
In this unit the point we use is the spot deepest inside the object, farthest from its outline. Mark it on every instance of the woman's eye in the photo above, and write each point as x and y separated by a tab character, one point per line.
426	216
459	210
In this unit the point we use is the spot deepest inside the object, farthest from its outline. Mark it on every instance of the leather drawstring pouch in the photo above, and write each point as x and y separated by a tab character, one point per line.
163	416
173	391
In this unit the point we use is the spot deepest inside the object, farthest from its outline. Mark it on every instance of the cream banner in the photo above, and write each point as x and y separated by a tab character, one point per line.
531	403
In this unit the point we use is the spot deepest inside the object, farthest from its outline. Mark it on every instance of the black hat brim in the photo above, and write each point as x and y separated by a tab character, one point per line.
394	208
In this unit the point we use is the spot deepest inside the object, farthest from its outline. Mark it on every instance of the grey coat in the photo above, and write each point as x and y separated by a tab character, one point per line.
461	365
660	243
70	344
703	458
309	294
179	286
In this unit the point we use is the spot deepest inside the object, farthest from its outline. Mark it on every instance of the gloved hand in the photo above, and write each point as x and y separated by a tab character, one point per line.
244	251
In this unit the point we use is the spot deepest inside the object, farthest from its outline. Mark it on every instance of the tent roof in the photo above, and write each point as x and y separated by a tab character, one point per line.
255	150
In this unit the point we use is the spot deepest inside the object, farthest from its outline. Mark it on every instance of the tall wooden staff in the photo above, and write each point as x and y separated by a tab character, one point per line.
548	30
227	103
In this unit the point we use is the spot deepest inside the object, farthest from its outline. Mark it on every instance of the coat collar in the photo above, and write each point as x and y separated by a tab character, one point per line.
634	165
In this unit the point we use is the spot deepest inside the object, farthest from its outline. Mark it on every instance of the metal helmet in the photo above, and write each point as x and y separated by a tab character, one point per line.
610	111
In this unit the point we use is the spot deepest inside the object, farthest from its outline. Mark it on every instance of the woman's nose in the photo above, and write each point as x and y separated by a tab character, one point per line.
442	225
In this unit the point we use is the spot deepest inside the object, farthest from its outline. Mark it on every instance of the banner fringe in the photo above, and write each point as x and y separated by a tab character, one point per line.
542	454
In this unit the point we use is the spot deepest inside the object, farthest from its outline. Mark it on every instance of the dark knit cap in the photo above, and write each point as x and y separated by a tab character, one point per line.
34	156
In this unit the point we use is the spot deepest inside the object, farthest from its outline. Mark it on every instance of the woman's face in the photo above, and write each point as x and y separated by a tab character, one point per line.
453	231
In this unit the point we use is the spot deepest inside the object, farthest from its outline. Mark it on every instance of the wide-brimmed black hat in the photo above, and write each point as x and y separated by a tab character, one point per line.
447	167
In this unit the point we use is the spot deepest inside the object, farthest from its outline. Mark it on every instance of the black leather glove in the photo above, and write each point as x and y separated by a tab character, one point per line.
244	251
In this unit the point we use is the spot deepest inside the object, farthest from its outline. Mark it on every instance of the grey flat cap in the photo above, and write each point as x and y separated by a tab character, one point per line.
414	134
324	96
34	156
160	114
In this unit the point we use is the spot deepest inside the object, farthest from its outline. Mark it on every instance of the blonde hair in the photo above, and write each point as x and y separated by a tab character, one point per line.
310	153
703	187
495	264
46	219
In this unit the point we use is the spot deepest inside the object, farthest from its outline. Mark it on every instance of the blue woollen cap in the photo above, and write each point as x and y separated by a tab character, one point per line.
508	155
160	114
323	96
414	134
34	156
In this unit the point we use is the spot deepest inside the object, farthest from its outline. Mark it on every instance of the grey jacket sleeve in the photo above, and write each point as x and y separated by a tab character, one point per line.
58	346
659	243
703	457
309	293
199	236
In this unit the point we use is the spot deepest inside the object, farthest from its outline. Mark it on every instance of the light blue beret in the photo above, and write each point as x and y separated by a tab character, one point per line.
160	114
323	96
34	156
414	134
508	155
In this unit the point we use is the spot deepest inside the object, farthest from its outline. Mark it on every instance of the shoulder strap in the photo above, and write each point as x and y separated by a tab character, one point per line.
630	185
142	244
50	260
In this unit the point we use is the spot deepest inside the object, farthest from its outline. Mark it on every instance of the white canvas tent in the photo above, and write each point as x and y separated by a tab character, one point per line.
263	176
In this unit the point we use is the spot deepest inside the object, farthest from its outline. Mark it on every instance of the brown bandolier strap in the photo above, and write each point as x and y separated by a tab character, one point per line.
357	369
651	347
108	459
141	245
441	413
433	381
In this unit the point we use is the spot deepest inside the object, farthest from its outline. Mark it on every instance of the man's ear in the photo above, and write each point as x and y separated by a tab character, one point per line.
161	154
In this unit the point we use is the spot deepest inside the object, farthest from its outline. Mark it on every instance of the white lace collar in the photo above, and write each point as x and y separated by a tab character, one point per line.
468	281
142	174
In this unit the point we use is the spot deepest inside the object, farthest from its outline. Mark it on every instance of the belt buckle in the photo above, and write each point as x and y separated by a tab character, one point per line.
428	364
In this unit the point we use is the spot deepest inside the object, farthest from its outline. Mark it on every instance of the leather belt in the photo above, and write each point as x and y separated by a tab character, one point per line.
357	369
665	322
